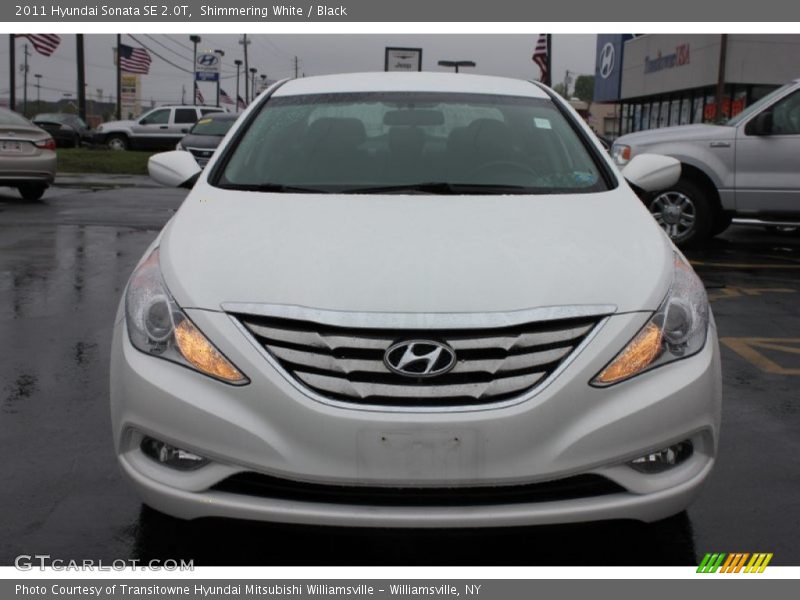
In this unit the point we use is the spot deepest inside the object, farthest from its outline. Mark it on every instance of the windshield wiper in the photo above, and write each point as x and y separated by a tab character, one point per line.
278	188
442	187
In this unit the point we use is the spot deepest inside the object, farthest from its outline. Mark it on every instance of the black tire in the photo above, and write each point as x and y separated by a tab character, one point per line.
684	211
117	141
721	222
32	191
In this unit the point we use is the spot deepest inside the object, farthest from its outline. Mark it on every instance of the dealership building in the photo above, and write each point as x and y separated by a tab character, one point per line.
659	80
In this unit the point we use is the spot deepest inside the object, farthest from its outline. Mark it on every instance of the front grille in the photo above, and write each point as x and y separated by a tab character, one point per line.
570	488
347	363
202	155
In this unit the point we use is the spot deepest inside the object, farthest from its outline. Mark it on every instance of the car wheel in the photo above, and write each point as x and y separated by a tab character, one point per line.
32	191
117	142
721	222
683	211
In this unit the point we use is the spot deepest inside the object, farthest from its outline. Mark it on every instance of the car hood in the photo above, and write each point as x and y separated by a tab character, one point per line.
117	125
680	133
201	141
415	253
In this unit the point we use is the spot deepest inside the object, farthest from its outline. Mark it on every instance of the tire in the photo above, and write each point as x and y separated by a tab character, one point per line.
32	191
684	212
721	222
117	141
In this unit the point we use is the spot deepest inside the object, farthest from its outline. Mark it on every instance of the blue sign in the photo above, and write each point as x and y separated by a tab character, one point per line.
608	66
207	67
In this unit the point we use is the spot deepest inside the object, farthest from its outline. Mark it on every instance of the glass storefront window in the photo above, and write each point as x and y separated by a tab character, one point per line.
674	110
637	117
686	111
645	123
663	115
654	115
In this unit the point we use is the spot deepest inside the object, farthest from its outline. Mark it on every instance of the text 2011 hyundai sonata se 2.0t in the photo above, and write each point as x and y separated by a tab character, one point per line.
414	300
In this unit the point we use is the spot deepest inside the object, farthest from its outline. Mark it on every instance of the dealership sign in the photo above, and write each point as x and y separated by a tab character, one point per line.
402	59
668	61
206	67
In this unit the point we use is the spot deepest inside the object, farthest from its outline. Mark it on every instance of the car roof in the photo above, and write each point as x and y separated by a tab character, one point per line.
464	83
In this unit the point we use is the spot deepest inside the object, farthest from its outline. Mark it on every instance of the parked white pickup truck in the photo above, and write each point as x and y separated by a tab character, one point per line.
747	168
158	129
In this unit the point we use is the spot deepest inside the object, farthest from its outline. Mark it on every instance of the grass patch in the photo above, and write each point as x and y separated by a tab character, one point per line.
90	160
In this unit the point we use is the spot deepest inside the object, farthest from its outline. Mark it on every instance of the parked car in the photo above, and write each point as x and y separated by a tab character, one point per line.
158	129
414	300
27	155
204	137
747	168
69	131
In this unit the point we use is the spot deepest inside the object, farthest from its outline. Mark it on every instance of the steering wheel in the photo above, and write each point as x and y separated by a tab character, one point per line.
514	165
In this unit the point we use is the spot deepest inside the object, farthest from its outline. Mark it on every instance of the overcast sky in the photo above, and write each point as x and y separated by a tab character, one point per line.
508	55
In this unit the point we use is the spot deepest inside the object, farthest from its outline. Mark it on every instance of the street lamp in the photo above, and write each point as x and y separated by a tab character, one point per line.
263	81
219	53
253	81
195	39
456	63
38	91
238	64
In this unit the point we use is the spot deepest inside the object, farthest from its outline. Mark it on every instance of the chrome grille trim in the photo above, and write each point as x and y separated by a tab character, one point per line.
345	368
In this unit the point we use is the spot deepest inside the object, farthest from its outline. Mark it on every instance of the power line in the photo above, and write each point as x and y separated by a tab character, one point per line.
167	47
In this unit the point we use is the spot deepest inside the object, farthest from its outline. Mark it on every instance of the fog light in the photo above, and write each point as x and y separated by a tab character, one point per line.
657	462
170	456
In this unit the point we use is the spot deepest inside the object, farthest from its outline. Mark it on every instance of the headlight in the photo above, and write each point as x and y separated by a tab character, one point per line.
677	329
621	154
157	326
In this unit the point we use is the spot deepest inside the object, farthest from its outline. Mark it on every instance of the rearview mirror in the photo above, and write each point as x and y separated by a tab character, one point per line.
177	168
652	172
761	125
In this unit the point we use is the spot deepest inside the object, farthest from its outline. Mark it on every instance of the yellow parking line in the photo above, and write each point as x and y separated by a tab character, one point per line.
746	348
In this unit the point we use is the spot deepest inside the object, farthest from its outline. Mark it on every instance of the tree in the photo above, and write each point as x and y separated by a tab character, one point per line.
584	87
559	89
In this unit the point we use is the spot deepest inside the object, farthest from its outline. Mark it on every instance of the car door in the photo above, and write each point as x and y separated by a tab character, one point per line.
152	129
768	160
184	118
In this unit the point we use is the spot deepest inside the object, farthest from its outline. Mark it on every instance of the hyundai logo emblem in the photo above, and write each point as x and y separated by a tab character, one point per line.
607	60
207	60
419	358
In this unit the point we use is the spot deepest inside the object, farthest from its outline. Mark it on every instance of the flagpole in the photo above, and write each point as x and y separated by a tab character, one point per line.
12	67
549	59
81	76
119	78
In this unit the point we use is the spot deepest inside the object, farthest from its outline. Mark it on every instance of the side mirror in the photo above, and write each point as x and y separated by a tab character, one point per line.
174	169
760	125
652	172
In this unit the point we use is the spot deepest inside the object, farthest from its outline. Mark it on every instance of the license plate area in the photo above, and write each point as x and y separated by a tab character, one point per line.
413	456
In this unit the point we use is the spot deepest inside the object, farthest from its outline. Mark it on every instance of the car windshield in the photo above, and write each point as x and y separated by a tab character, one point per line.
212	126
388	142
756	106
8	117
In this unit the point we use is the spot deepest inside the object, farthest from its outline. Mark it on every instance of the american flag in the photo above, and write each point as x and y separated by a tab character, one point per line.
241	104
540	58
134	60
43	43
199	96
224	98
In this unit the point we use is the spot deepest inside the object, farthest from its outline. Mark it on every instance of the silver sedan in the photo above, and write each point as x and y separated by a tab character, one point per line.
27	155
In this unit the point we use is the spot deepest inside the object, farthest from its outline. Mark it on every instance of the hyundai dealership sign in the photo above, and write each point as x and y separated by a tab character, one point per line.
608	68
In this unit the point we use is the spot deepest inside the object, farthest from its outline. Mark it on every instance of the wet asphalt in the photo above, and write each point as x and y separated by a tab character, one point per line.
64	262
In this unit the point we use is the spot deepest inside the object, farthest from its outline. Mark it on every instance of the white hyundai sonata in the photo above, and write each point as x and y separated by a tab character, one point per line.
414	300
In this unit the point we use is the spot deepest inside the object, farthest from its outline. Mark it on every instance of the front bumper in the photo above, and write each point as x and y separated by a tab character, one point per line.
568	428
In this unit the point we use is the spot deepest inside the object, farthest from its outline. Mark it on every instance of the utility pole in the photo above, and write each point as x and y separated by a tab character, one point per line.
244	42
723	51
119	77
238	64
253	82
195	39
567	81
296	70
81	77
38	91
12	71
183	94
219	53
549	60
25	82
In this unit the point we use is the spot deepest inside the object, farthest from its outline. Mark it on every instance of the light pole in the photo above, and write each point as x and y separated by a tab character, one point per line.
195	39
263	81
456	64
244	42
219	53
253	81
38	91
238	64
